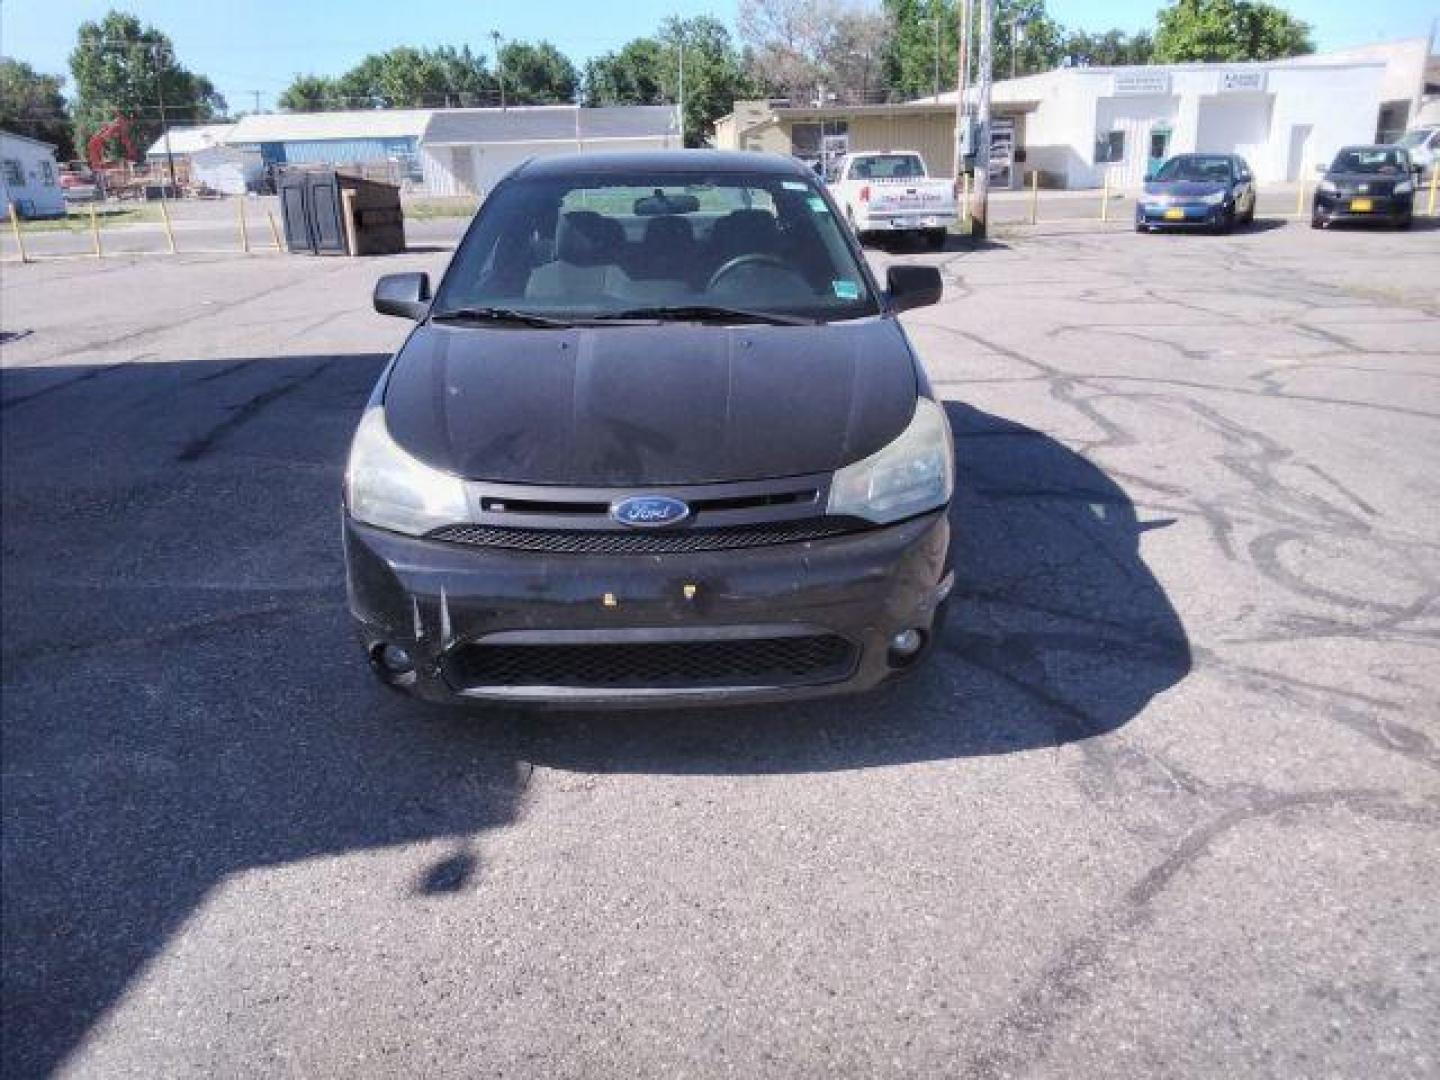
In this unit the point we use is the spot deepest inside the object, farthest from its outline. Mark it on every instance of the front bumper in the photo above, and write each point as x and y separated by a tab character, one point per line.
1331	207
905	221
437	600
1192	215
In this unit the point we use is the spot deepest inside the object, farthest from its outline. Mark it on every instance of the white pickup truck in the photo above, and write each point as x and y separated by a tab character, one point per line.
890	191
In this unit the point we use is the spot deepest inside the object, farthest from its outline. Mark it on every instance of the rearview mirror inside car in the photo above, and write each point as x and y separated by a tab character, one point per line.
913	286
405	295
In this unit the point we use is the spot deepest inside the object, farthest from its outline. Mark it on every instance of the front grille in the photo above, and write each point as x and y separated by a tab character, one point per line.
813	658
658	542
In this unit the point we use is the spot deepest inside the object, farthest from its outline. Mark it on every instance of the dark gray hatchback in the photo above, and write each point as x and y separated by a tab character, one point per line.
658	437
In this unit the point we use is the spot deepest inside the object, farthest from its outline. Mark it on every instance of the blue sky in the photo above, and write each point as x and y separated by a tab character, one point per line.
261	44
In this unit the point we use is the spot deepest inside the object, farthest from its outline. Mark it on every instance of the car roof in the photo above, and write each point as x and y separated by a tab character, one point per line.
1372	146
650	162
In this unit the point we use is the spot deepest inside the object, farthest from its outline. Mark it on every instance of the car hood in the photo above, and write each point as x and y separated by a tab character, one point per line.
1184	188
675	403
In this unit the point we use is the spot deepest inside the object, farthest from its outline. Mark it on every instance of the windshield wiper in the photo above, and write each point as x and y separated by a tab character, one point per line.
706	313
500	315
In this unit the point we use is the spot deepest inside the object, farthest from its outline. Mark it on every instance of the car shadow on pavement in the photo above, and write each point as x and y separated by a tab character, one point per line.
1057	632
184	700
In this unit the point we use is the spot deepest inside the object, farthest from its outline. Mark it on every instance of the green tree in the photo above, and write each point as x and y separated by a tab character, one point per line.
1027	40
633	75
122	67
32	104
537	74
310	93
402	77
646	71
1221	30
1114	48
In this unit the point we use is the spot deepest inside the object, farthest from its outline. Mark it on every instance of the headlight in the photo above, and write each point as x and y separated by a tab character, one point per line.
1404	188
1213	200
1328	187
913	474
386	487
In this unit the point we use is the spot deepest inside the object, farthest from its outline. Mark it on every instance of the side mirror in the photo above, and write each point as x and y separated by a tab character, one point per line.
406	295
913	286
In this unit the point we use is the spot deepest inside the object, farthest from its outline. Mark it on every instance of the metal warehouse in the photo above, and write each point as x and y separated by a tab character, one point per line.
450	151
465	151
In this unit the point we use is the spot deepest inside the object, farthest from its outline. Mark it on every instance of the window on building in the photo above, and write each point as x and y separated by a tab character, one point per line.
13	173
1110	147
47	173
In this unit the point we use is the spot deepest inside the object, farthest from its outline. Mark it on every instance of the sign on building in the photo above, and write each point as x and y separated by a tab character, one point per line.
1240	82
1140	82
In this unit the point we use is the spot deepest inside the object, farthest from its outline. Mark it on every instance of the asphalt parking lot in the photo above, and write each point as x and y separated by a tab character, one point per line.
1166	804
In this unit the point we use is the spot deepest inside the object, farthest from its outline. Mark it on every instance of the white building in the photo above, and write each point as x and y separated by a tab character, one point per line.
29	177
181	142
1083	126
466	151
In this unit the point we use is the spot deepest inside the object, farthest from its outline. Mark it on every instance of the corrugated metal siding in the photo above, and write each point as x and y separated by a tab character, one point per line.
342	151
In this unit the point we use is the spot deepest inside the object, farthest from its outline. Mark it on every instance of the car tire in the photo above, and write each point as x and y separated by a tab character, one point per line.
936	238
1404	222
1227	222
1316	221
1141	227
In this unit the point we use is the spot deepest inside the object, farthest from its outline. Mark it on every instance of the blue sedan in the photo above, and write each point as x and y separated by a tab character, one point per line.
1208	191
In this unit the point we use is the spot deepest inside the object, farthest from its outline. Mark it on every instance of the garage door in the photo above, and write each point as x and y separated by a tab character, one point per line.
1234	125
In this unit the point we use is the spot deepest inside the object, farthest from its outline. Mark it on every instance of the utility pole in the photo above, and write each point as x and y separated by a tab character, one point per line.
1016	25
257	99
980	193
962	90
499	65
156	54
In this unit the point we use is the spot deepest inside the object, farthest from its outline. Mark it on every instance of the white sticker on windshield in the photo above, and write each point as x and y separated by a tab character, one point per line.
817	204
793	185
846	290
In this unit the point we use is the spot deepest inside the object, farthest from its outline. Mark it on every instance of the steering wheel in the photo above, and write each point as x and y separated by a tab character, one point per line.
755	258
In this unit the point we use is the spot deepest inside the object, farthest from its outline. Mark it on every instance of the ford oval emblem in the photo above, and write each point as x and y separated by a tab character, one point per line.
649	511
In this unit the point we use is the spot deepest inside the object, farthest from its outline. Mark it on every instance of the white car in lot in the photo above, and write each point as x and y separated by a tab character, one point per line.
891	191
1424	146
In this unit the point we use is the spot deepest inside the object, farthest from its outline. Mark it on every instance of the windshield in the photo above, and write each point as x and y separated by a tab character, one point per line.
1195	169
590	246
888	167
1381	161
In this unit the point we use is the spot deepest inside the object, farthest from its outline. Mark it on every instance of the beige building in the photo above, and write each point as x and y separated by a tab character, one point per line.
813	134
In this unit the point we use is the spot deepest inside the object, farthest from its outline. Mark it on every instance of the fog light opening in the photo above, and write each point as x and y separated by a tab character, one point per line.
906	646
391	661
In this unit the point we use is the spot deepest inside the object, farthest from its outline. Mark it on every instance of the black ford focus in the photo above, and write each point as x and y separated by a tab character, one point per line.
658	437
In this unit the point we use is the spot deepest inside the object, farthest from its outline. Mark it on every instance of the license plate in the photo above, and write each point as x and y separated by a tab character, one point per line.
1175	215
1361	206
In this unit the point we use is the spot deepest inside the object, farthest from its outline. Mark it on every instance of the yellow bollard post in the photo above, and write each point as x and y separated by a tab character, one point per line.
1300	195
95	230
240	214
1034	196
274	231
169	232
1434	178
965	203
1105	195
19	239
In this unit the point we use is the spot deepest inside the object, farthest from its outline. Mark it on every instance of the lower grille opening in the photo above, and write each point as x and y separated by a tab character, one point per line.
772	661
644	542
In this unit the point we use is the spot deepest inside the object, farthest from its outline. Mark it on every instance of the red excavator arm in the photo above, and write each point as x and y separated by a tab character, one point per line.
119	128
